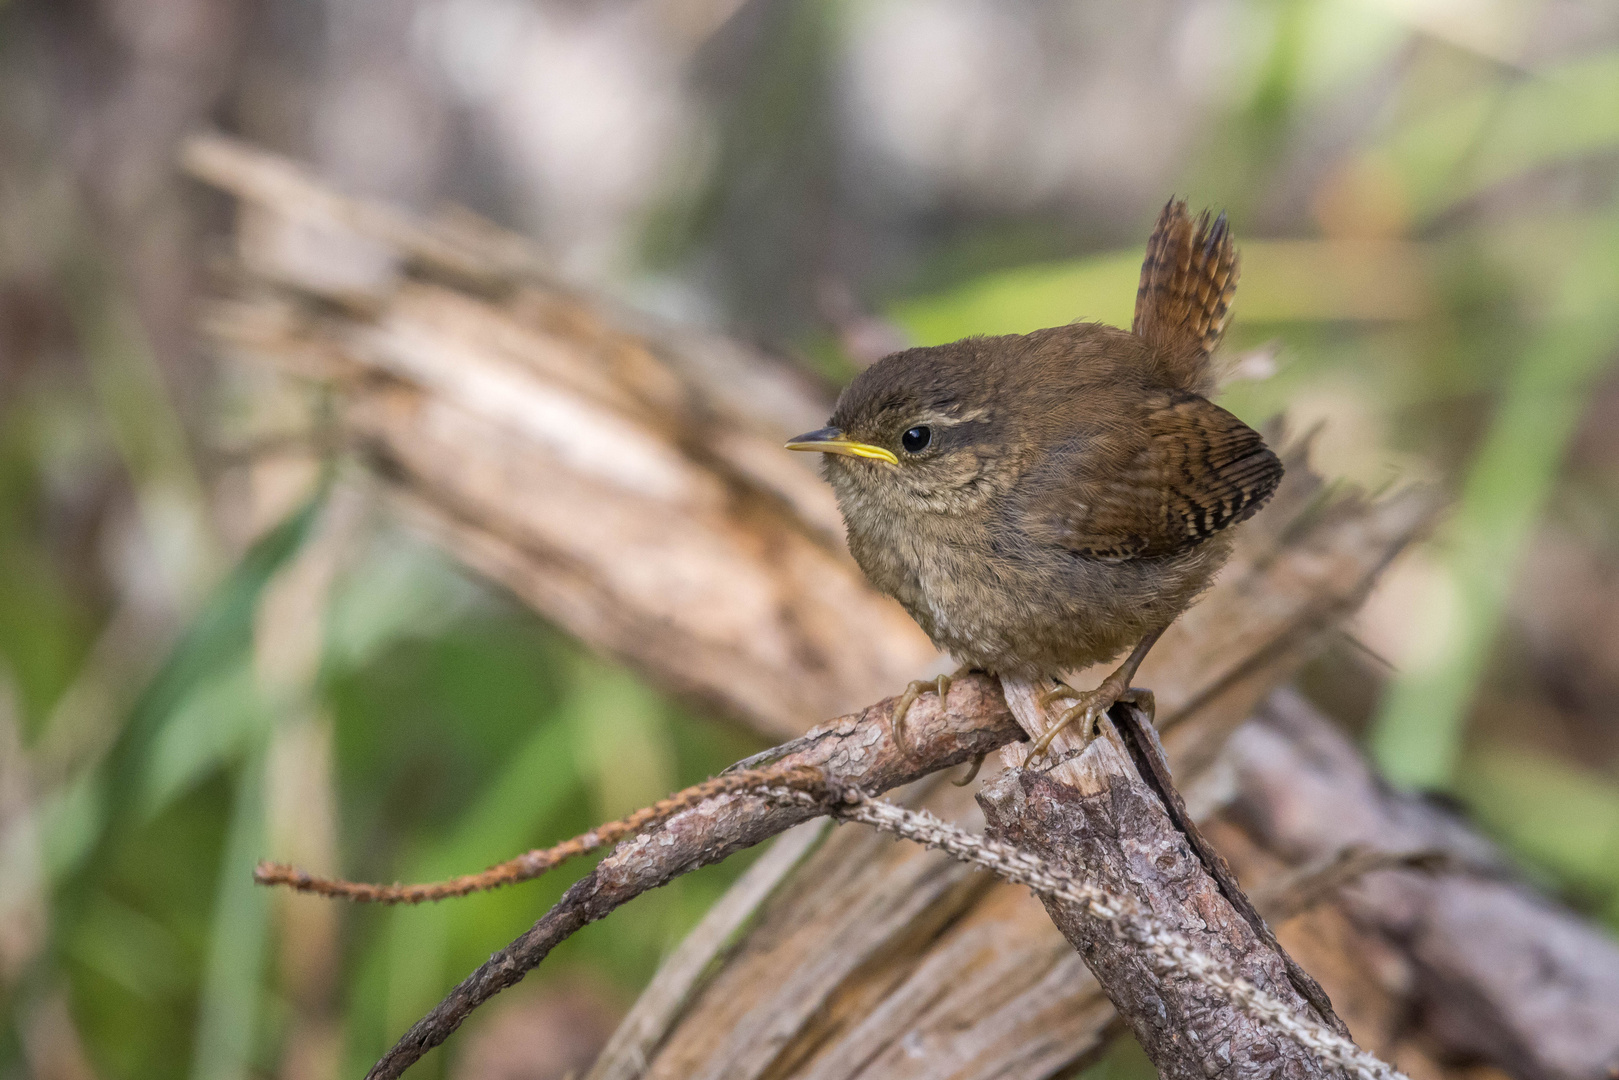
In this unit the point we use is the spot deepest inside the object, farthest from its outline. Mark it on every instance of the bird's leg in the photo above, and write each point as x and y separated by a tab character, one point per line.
1092	704
916	689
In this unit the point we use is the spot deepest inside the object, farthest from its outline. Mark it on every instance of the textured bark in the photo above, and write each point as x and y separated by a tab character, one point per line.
1485	969
1111	829
853	751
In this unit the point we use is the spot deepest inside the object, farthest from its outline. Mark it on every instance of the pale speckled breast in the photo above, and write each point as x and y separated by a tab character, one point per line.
996	601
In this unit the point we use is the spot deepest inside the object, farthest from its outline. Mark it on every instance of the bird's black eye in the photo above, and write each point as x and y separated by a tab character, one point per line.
916	440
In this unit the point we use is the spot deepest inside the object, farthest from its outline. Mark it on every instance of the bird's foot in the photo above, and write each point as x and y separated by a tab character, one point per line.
1057	692
916	689
1089	706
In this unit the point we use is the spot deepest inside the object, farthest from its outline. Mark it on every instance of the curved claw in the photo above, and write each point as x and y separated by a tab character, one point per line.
1061	690
916	689
1089	707
978	763
1084	710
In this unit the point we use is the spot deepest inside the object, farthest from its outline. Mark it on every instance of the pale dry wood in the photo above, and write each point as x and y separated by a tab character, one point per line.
512	415
644	1026
854	962
1483	967
872	904
991	998
625	478
1116	833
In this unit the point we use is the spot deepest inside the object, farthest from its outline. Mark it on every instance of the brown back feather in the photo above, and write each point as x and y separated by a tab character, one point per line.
1187	281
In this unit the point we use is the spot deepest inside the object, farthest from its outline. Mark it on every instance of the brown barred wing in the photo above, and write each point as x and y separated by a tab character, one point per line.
1186	471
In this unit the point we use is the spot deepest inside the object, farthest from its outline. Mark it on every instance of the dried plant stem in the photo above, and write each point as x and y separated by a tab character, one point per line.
531	864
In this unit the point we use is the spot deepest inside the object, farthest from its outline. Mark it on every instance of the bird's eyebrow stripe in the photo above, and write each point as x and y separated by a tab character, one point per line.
944	419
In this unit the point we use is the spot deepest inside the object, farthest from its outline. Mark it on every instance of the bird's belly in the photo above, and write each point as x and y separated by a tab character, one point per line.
1048	611
1016	608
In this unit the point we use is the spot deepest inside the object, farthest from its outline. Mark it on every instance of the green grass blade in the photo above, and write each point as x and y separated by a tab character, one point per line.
232	986
1283	281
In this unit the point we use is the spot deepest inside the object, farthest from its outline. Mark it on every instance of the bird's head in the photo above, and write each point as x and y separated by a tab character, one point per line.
917	430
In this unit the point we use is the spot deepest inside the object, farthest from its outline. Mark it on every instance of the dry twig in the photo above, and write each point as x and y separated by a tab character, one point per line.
853	752
531	864
1297	892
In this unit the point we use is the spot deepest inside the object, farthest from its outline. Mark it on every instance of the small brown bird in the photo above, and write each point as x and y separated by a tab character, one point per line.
1043	502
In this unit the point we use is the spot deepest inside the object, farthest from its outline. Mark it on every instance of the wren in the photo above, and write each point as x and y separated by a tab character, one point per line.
1043	502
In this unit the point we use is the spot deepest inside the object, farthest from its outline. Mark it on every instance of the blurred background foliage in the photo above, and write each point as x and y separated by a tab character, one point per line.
214	648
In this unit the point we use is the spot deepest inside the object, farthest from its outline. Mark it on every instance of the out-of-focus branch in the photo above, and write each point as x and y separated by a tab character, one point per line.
626	479
1485	968
1299	891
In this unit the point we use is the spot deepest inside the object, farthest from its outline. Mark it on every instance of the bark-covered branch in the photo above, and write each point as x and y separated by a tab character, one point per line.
856	751
1207	992
1099	816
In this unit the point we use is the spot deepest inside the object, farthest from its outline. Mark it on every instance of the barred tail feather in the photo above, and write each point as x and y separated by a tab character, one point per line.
1187	281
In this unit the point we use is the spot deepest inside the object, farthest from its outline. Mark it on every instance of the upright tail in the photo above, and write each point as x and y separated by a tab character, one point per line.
1187	281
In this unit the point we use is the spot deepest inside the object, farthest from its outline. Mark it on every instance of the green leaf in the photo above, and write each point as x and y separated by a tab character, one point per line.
1102	287
222	717
218	639
1283	281
132	949
408	965
401	588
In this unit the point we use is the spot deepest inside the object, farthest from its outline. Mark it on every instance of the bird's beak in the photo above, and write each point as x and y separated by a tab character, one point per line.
829	440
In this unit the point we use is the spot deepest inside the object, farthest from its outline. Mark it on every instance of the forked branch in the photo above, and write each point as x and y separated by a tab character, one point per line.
750	804
855	752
